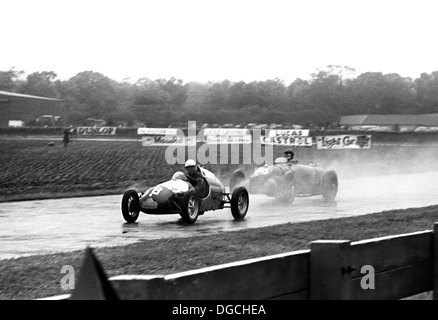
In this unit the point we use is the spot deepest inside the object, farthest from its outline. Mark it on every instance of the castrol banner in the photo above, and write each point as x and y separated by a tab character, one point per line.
293	141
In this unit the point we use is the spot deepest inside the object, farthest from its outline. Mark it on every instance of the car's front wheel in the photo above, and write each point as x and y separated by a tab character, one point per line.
239	203
130	205
288	194
190	205
329	186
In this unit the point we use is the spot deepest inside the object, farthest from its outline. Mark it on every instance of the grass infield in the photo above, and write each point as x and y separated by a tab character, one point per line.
31	169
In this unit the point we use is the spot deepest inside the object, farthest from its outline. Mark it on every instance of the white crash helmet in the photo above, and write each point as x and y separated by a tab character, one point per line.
190	163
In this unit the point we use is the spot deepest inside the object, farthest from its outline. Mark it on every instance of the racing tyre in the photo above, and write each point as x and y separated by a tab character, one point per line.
237	179
130	205
288	193
190	207
239	203
329	186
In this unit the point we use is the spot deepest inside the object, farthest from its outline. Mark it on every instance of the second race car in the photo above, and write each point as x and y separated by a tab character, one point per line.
286	180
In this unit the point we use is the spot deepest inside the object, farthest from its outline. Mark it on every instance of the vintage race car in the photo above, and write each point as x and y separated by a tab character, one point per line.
286	180
179	196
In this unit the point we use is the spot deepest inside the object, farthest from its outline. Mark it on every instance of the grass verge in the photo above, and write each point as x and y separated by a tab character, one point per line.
40	276
33	170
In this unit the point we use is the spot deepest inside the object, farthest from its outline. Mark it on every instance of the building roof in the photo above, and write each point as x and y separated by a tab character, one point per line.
25	96
352	120
390	120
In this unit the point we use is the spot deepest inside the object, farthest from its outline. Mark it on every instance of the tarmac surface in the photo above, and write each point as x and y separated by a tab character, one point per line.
60	225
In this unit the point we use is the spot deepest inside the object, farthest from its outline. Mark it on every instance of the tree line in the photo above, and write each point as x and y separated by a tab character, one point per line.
320	100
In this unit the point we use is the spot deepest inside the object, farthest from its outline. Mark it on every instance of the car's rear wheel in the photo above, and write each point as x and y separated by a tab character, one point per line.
130	205
190	205
239	203
329	186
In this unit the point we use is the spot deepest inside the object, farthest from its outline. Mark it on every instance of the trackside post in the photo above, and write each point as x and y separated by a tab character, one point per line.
435	261
329	270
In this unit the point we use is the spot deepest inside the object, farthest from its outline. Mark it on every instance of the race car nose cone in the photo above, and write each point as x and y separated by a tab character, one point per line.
155	197
148	203
160	194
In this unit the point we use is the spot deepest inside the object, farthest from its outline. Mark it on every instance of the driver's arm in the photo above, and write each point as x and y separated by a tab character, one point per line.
198	178
192	180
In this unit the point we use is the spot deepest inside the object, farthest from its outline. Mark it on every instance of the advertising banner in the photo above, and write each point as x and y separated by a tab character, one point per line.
293	141
101	131
168	140
246	139
227	136
16	123
157	131
226	132
344	142
164	137
289	133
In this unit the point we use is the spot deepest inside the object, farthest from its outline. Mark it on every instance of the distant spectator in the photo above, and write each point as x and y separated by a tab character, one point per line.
66	137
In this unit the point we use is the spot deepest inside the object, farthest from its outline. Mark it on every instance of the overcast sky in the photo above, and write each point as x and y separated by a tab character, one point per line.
202	40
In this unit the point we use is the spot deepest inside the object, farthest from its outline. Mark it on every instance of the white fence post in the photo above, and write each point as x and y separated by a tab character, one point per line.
435	261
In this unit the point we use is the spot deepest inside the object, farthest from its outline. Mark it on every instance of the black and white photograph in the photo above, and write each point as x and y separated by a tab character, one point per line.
217	156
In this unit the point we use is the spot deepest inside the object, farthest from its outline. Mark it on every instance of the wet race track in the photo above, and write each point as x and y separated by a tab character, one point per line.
48	226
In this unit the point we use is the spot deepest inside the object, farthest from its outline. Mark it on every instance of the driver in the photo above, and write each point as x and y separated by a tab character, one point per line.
289	154
194	175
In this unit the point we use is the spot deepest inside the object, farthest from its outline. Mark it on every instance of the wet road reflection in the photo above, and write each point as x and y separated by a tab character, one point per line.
47	226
